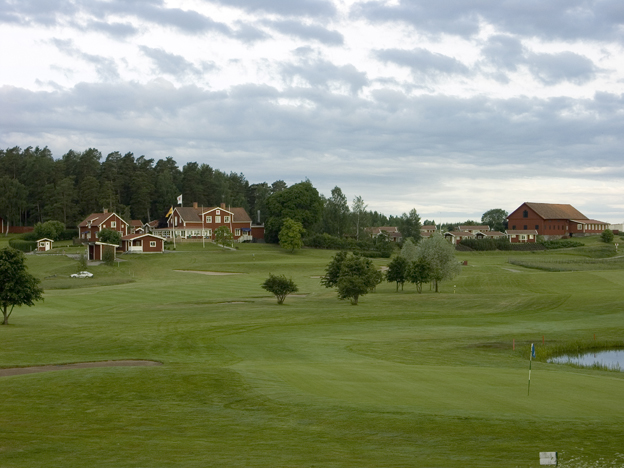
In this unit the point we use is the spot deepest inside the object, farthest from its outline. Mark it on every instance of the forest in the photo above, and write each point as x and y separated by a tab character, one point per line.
37	187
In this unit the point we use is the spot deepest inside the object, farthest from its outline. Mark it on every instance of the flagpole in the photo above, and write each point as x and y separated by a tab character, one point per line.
530	362
203	232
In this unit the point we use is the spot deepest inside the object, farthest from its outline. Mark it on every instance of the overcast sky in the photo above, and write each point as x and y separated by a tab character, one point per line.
450	107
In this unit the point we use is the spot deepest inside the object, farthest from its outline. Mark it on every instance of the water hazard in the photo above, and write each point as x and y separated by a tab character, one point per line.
609	359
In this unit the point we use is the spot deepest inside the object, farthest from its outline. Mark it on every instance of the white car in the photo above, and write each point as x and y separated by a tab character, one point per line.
82	274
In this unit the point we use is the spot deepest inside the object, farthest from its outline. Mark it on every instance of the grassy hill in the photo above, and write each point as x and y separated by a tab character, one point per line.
402	379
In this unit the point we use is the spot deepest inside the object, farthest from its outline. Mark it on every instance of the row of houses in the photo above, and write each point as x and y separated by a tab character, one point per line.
529	220
181	223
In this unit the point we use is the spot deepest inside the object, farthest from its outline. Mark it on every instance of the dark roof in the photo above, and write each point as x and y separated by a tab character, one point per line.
521	231
136	222
482	227
193	215
588	221
98	218
136	236
555	211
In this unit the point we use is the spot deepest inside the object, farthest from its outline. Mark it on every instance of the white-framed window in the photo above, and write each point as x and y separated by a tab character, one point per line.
217	219
175	221
209	232
152	243
113	224
237	232
226	219
522	237
209	219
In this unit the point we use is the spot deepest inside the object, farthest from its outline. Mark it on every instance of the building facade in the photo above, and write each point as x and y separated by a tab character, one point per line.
553	220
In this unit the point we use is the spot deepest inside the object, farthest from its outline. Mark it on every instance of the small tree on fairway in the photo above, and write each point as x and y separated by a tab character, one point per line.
332	272
223	235
397	271
82	262
419	273
17	286
607	236
108	255
110	237
409	251
358	276
440	255
280	286
290	235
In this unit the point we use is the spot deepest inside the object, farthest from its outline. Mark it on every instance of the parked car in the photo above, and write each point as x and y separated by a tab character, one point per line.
82	274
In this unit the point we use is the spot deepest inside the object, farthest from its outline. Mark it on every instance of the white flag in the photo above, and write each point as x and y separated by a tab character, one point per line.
179	199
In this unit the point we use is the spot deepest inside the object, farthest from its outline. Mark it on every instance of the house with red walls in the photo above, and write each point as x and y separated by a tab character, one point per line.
142	243
91	226
196	222
553	220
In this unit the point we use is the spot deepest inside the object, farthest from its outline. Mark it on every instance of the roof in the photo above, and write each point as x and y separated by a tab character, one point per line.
193	215
428	227
98	218
460	233
528	231
136	223
45	239
483	227
136	236
493	233
555	211
588	221
378	229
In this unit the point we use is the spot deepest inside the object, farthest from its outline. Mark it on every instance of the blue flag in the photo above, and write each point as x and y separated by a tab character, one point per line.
532	350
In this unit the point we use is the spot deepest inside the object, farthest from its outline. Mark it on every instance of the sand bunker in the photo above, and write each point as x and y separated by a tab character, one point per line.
78	365
210	273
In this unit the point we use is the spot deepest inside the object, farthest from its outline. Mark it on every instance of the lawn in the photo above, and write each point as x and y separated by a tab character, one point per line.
402	379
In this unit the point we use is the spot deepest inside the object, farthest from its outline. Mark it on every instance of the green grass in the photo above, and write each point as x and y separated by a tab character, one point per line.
402	379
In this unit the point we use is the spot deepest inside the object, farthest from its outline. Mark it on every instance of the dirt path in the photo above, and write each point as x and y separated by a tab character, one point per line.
209	273
78	365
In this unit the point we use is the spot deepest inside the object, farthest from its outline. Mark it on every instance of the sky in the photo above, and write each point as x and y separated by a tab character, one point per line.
452	107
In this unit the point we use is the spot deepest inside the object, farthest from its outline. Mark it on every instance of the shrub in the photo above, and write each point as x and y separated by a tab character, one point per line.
280	286
23	245
562	244
108	256
607	236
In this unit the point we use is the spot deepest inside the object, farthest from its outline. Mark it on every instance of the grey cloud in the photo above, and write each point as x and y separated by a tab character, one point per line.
311	8
422	61
307	31
321	73
172	64
105	67
506	53
115	30
551	69
42	12
248	33
556	19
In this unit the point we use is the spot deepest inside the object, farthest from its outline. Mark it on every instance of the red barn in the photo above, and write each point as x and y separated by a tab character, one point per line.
553	220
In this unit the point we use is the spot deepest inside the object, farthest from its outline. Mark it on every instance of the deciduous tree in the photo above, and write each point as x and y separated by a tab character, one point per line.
409	225
398	271
358	276
223	235
17	286
440	255
280	286
496	218
290	235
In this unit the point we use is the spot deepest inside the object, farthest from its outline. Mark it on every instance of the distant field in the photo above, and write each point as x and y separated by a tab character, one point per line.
402	379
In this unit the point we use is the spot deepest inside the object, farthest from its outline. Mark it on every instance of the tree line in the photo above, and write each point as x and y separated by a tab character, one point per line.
35	188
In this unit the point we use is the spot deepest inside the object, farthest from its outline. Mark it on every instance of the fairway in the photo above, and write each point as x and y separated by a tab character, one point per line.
402	379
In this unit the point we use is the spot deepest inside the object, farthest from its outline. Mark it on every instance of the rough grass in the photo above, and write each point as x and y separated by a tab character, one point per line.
403	379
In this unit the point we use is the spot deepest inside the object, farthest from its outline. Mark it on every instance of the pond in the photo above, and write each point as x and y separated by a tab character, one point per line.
612	359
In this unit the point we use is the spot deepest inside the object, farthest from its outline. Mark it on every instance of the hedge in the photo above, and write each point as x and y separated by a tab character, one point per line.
23	245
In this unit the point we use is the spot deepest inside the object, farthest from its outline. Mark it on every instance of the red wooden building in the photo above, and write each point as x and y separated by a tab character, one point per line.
142	243
553	220
89	229
196	222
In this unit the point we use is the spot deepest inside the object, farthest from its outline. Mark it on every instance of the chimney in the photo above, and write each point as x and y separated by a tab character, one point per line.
223	205
195	204
105	210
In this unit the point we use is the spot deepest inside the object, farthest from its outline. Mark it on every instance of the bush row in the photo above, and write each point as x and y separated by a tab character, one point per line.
561	244
367	248
23	245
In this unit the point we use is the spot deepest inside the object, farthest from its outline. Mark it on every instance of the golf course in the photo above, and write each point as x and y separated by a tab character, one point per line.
401	379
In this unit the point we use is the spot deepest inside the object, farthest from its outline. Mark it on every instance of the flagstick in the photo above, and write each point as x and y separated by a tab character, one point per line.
530	362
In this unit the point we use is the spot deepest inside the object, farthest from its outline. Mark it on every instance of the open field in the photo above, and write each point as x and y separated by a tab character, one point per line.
402	379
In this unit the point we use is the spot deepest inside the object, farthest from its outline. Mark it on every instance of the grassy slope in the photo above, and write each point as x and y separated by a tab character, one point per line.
400	380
